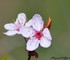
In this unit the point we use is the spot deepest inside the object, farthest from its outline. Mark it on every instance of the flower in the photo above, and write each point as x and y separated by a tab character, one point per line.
14	28
37	34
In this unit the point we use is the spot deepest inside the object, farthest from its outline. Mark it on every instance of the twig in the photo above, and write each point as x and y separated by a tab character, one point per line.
29	57
25	39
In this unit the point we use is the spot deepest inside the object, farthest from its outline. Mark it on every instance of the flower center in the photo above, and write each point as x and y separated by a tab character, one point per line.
17	27
38	35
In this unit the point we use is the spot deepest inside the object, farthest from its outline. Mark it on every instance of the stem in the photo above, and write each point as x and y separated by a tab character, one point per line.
25	39
29	57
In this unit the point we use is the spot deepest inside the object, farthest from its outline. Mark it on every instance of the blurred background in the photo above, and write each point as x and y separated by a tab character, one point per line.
13	48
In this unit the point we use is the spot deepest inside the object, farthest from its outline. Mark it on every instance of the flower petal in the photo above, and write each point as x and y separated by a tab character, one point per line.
9	26
37	22
32	44
37	17
10	33
21	19
27	31
29	23
44	42
47	34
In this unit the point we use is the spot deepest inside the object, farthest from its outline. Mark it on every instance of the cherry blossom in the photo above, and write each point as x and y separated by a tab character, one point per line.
37	34
14	28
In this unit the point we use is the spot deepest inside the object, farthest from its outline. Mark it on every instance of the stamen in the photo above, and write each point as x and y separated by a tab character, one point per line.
38	35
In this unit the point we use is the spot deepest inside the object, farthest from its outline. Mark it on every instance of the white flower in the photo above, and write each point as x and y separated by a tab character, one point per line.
36	33
14	28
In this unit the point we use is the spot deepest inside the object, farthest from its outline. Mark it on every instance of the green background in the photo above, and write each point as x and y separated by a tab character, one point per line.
13	48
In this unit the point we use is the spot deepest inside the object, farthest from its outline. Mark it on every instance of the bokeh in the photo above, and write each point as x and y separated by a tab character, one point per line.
13	48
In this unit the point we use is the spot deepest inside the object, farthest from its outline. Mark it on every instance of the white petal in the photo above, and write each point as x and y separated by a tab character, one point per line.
10	33
44	42
9	26
29	23
47	34
37	22
27	31
37	17
21	18
32	44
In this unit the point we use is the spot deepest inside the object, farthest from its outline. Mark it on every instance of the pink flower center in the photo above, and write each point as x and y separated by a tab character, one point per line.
17	27
38	35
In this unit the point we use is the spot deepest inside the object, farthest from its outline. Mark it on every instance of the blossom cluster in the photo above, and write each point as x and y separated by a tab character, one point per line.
33	29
